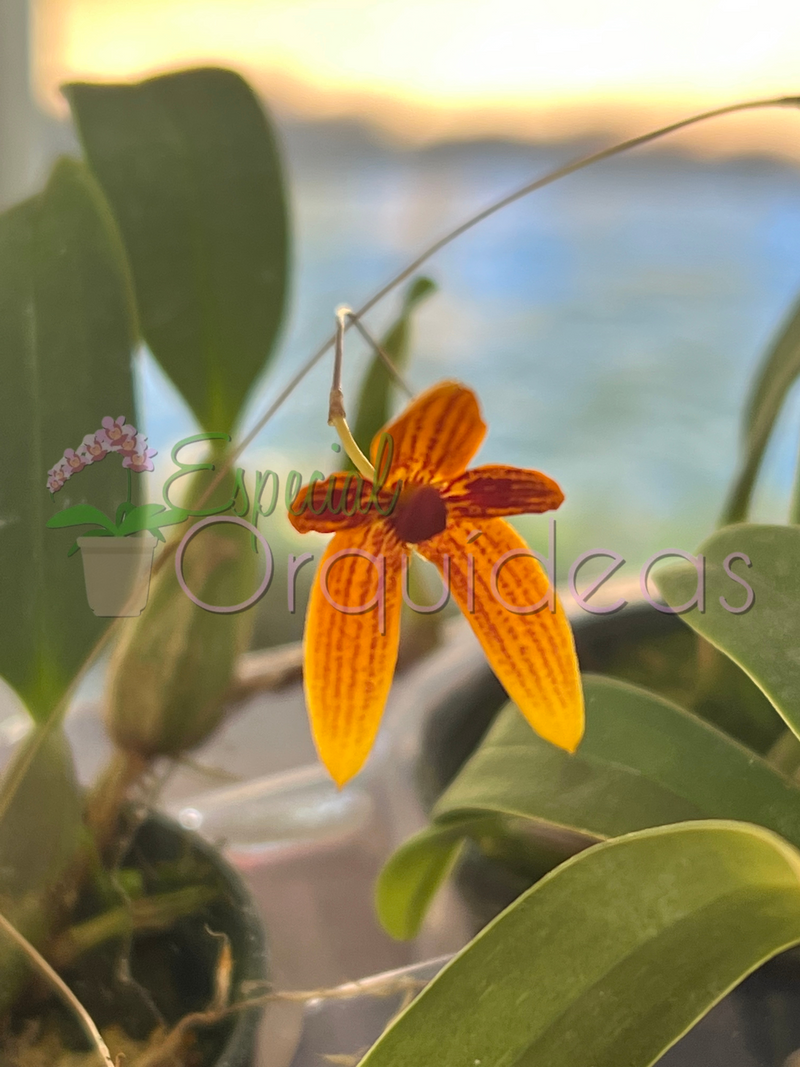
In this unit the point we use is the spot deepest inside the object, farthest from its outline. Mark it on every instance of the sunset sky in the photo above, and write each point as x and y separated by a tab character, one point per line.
424	69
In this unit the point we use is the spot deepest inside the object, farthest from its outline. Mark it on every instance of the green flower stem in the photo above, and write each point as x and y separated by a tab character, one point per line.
336	413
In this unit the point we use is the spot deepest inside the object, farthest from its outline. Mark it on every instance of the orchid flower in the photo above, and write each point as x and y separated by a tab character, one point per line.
94	447
57	476
115	432
141	458
73	461
130	445
452	517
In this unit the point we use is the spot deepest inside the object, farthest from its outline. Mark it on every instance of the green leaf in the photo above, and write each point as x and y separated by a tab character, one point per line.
763	640
684	668
412	877
776	376
80	515
153	522
123	510
67	332
643	762
374	407
140	517
39	834
192	169
612	957
151	517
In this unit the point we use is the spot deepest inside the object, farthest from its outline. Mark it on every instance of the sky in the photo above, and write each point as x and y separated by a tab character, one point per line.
423	70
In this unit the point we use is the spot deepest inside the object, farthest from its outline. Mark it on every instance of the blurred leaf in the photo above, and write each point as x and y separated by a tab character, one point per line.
777	374
191	167
643	762
39	834
725	696
610	958
763	640
412	877
677	663
785	754
66	333
374	408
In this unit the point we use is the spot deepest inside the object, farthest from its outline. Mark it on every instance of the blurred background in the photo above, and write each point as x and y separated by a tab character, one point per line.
610	324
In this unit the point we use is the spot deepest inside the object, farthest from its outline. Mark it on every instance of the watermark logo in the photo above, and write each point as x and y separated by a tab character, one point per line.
117	564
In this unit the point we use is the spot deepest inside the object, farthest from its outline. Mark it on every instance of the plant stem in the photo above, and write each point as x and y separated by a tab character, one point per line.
336	413
106	800
62	989
384	355
130	486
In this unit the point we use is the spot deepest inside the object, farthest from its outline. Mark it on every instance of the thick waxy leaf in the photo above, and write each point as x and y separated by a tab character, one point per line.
779	370
643	762
374	400
610	958
763	640
191	168
66	335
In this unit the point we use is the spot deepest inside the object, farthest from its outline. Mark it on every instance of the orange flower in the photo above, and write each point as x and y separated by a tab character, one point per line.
451	516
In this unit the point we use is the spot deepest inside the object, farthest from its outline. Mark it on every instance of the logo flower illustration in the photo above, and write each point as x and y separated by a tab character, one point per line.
453	517
117	433
138	457
120	437
93	448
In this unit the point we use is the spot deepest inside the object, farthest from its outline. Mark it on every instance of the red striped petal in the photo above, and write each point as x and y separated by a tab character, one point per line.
499	490
436	436
533	654
350	658
338	502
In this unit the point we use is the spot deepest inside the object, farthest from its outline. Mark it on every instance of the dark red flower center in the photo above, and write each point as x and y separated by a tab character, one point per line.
420	513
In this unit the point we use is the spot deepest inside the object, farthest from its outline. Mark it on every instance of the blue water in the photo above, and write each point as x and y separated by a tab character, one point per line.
610	324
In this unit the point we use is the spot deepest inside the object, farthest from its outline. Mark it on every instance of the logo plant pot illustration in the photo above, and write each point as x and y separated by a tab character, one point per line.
117	573
118	553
